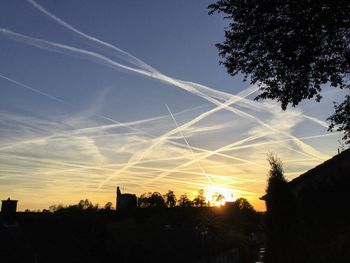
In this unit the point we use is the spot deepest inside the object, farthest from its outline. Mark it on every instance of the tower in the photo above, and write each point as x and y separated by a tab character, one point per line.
8	211
125	201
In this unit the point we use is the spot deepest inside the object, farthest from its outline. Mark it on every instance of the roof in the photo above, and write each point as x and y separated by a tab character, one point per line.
339	165
9	200
326	171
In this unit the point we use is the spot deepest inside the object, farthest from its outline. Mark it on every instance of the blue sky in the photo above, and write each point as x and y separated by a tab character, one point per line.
84	87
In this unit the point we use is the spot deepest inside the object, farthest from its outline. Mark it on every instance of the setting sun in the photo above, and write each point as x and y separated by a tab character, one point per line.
217	195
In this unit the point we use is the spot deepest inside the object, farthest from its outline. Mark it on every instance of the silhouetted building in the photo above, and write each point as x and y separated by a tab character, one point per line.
8	211
320	214
125	201
329	174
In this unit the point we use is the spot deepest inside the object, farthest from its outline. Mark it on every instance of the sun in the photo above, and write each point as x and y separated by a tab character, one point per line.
217	195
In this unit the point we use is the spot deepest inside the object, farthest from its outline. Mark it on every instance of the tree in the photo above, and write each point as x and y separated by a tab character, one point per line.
184	201
151	200
341	118
290	49
280	215
85	204
170	199
243	215
199	201
220	198
108	206
242	204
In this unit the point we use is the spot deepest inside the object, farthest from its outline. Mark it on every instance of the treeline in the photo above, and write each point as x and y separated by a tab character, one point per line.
83	205
86	232
157	200
146	200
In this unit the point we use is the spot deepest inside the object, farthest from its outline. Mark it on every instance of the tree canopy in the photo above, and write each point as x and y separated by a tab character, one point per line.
170	199
151	200
290	49
184	201
199	200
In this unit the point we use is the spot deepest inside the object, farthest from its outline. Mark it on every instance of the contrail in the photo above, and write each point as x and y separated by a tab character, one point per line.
64	102
187	143
133	59
129	58
322	123
206	156
37	91
231	147
182	84
92	129
118	124
165	136
56	99
155	74
40	43
280	141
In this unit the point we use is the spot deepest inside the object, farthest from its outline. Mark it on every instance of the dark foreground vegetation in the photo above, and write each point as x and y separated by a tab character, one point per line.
180	234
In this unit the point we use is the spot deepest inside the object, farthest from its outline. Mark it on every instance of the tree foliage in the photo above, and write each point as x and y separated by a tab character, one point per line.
170	199
289	48
341	118
85	204
199	200
108	206
151	200
184	201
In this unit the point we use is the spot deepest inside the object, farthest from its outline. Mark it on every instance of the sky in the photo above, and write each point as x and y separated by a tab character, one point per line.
99	94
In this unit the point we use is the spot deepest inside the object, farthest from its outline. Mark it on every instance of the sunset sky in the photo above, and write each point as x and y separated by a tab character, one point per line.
95	94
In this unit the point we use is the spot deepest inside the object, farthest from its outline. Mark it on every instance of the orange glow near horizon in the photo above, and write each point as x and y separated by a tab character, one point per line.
212	193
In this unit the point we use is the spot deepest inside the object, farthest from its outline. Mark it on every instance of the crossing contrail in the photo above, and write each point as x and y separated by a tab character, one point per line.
187	143
207	93
137	62
129	58
181	84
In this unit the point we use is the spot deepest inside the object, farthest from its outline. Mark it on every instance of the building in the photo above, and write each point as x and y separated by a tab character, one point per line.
125	201
327	176
8	211
318	213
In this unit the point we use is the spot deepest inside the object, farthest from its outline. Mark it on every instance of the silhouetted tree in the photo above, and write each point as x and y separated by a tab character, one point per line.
341	118
143	200
243	215
290	49
184	201
55	208
85	204
199	201
52	208
170	199
157	200
243	204
280	217
151	200
220	198
108	206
